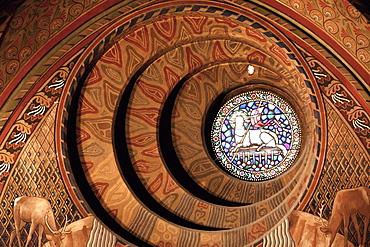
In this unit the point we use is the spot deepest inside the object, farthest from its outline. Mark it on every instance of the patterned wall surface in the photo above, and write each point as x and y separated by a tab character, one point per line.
340	20
37	174
347	166
148	73
347	159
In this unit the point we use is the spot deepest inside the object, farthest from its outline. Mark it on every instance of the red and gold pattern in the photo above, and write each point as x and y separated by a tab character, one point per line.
159	44
339	20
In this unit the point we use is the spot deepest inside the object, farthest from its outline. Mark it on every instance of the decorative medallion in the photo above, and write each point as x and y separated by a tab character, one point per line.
256	136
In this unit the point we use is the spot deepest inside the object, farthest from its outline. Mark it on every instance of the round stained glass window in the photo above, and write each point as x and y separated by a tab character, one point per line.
256	136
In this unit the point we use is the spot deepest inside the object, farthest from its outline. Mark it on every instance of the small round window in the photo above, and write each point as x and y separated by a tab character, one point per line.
256	136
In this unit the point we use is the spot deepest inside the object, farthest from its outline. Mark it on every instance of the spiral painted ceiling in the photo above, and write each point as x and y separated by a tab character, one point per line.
107	109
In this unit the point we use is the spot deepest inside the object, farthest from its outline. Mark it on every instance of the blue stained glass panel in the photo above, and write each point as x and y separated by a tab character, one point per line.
256	135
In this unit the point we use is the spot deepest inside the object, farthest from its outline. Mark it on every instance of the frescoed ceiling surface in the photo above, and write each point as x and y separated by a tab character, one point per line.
107	106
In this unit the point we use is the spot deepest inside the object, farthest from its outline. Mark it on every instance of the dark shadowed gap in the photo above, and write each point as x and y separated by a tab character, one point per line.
80	179
170	156
127	170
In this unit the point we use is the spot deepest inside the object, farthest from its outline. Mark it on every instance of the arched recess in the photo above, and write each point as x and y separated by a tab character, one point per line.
200	44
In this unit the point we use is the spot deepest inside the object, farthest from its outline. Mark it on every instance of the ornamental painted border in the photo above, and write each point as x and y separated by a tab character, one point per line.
280	166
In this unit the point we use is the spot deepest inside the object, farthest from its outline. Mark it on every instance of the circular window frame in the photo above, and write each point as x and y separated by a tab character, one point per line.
268	171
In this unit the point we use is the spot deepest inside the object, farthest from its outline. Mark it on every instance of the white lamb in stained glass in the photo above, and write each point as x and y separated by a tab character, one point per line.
245	138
